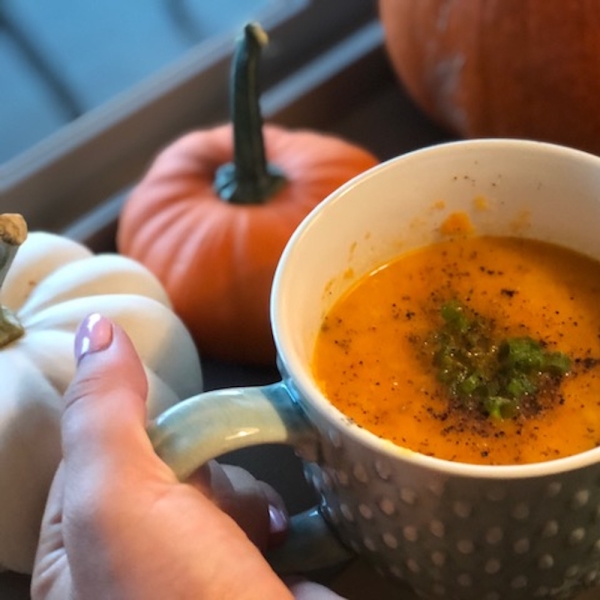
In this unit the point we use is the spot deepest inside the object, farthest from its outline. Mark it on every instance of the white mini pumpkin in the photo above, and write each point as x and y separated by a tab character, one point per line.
52	284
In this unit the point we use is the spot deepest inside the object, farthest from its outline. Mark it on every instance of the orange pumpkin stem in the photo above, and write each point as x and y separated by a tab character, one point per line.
249	179
13	232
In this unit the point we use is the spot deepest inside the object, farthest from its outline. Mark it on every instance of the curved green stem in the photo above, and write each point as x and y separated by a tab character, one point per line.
13	232
249	179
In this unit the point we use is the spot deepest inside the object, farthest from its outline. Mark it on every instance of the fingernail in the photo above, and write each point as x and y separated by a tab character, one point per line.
93	335
278	526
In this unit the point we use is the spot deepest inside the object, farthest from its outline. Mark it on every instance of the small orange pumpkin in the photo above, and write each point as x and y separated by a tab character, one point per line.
211	216
508	68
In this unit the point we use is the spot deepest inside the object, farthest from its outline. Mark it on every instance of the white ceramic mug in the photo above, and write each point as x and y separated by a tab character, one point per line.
451	530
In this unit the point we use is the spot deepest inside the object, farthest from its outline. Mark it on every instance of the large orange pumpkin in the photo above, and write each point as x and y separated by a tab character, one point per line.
514	68
211	216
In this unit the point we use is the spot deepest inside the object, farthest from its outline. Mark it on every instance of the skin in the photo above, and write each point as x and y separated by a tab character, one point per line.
118	524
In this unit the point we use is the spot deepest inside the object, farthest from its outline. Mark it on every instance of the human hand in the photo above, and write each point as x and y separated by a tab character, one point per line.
118	524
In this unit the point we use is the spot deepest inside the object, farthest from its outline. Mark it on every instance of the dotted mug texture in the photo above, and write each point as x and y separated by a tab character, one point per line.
460	538
443	531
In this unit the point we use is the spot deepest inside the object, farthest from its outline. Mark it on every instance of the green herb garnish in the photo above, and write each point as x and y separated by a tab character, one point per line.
495	376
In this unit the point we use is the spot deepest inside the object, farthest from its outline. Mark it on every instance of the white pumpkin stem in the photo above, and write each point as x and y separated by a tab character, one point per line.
13	232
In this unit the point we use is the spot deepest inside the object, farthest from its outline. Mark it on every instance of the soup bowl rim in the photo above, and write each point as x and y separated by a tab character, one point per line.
298	372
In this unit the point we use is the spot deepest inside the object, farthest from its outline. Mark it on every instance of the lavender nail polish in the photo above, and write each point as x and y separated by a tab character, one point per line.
93	335
278	526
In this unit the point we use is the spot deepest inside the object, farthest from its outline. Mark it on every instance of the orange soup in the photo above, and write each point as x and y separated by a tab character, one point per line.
382	357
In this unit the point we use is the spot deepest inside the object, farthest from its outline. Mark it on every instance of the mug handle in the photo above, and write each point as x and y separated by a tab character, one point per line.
204	427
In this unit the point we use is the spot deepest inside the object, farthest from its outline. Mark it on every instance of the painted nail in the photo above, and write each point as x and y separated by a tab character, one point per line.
93	335
278	526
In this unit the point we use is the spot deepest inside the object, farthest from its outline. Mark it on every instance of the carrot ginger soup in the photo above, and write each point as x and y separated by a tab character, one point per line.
475	349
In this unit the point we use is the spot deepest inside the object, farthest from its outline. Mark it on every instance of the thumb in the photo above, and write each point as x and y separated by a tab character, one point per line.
104	416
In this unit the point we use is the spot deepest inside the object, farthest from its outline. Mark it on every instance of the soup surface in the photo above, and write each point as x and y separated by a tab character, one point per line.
377	355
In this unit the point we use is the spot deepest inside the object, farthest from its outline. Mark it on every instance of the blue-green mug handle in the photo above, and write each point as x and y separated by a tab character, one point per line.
208	425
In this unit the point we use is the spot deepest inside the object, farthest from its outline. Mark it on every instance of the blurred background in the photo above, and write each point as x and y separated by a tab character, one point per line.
90	91
61	59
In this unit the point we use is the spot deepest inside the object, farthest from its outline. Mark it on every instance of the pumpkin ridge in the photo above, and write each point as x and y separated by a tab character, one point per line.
510	68
40	364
